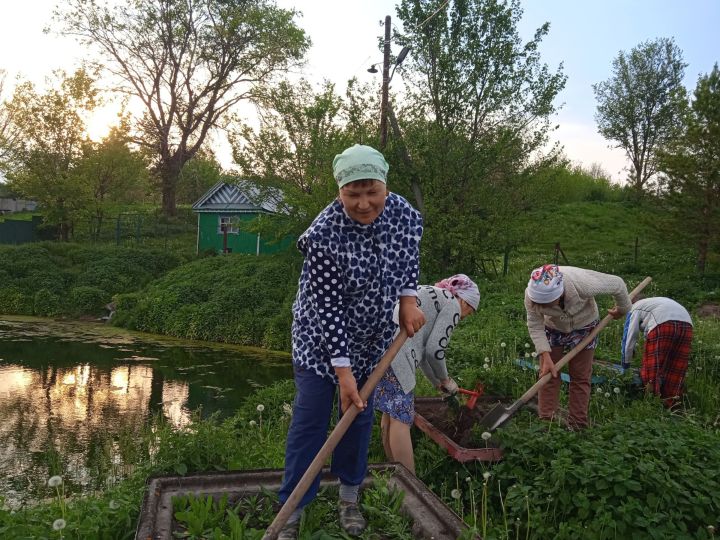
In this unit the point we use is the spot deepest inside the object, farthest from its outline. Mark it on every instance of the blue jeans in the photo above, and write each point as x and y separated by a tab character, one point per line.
309	429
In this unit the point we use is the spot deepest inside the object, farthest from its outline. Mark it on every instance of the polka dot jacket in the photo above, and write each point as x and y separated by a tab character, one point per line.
352	277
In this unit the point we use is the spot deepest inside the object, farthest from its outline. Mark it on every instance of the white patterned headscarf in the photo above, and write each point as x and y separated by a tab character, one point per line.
463	287
546	284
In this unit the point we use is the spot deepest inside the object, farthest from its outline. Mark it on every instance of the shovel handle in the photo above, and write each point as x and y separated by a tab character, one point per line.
334	438
535	388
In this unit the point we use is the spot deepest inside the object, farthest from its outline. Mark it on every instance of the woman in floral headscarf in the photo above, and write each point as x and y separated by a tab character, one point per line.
561	311
444	305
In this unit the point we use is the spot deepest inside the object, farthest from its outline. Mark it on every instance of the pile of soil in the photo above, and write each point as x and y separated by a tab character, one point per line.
457	425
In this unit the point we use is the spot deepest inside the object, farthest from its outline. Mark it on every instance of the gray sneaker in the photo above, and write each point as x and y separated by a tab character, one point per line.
351	520
289	531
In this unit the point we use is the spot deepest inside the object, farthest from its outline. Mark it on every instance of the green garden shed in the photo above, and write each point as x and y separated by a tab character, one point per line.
222	210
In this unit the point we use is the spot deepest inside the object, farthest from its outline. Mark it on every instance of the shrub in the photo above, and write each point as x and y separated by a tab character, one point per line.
87	300
235	298
46	303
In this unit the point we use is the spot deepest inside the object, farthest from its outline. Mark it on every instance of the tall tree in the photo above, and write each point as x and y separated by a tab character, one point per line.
692	165
188	62
478	107
8	132
110	173
51	135
640	105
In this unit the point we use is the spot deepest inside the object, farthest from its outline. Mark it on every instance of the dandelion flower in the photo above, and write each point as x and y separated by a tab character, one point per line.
55	481
59	524
253	423
260	408
486	475
607	394
503	345
486	435
616	390
114	505
455	493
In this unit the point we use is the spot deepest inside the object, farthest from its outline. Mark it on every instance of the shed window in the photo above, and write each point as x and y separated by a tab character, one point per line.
228	222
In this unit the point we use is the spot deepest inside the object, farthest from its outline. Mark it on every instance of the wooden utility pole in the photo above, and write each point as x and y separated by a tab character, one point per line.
385	86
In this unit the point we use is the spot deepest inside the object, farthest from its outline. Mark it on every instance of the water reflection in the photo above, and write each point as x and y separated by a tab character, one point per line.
70	394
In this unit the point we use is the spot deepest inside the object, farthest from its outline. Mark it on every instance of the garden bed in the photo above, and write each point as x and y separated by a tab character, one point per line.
244	490
458	431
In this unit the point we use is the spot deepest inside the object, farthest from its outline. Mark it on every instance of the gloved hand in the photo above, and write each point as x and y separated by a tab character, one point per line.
449	387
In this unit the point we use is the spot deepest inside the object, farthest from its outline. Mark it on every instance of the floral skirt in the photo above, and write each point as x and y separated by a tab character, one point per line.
390	399
573	338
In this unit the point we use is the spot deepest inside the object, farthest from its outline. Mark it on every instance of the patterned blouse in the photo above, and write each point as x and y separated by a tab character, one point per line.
352	277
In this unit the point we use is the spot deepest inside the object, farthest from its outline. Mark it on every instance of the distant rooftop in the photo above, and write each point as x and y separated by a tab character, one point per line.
241	197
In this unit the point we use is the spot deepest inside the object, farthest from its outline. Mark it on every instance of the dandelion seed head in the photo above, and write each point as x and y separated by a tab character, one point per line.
55	481
527	355
616	390
486	435
253	423
486	366
607	394
59	524
598	390
503	344
487	359
114	505
533	354
455	493
468	479
527	345
486	475
260	408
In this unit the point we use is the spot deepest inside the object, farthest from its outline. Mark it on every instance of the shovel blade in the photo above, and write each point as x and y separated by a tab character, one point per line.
496	417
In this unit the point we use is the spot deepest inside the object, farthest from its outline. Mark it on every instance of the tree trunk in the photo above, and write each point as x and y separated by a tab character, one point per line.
702	255
169	179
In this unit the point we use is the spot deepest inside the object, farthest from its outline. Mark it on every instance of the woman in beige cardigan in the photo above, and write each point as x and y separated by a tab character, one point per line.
561	311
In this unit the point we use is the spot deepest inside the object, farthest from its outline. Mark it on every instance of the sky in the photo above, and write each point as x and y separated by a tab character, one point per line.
584	36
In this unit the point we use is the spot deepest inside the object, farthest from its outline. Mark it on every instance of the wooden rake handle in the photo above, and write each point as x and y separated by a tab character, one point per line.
542	381
332	441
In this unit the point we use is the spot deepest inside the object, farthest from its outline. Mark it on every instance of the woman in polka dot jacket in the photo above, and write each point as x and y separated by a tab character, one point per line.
361	258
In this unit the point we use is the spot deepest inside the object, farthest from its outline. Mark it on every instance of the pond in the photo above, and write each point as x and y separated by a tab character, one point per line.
72	392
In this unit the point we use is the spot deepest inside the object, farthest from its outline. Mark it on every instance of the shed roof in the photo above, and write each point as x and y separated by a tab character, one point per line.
240	197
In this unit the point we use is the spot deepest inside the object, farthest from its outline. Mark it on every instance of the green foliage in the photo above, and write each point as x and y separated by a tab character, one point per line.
197	176
231	299
87	300
692	165
301	132
45	304
640	106
651	478
49	144
479	107
51	279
